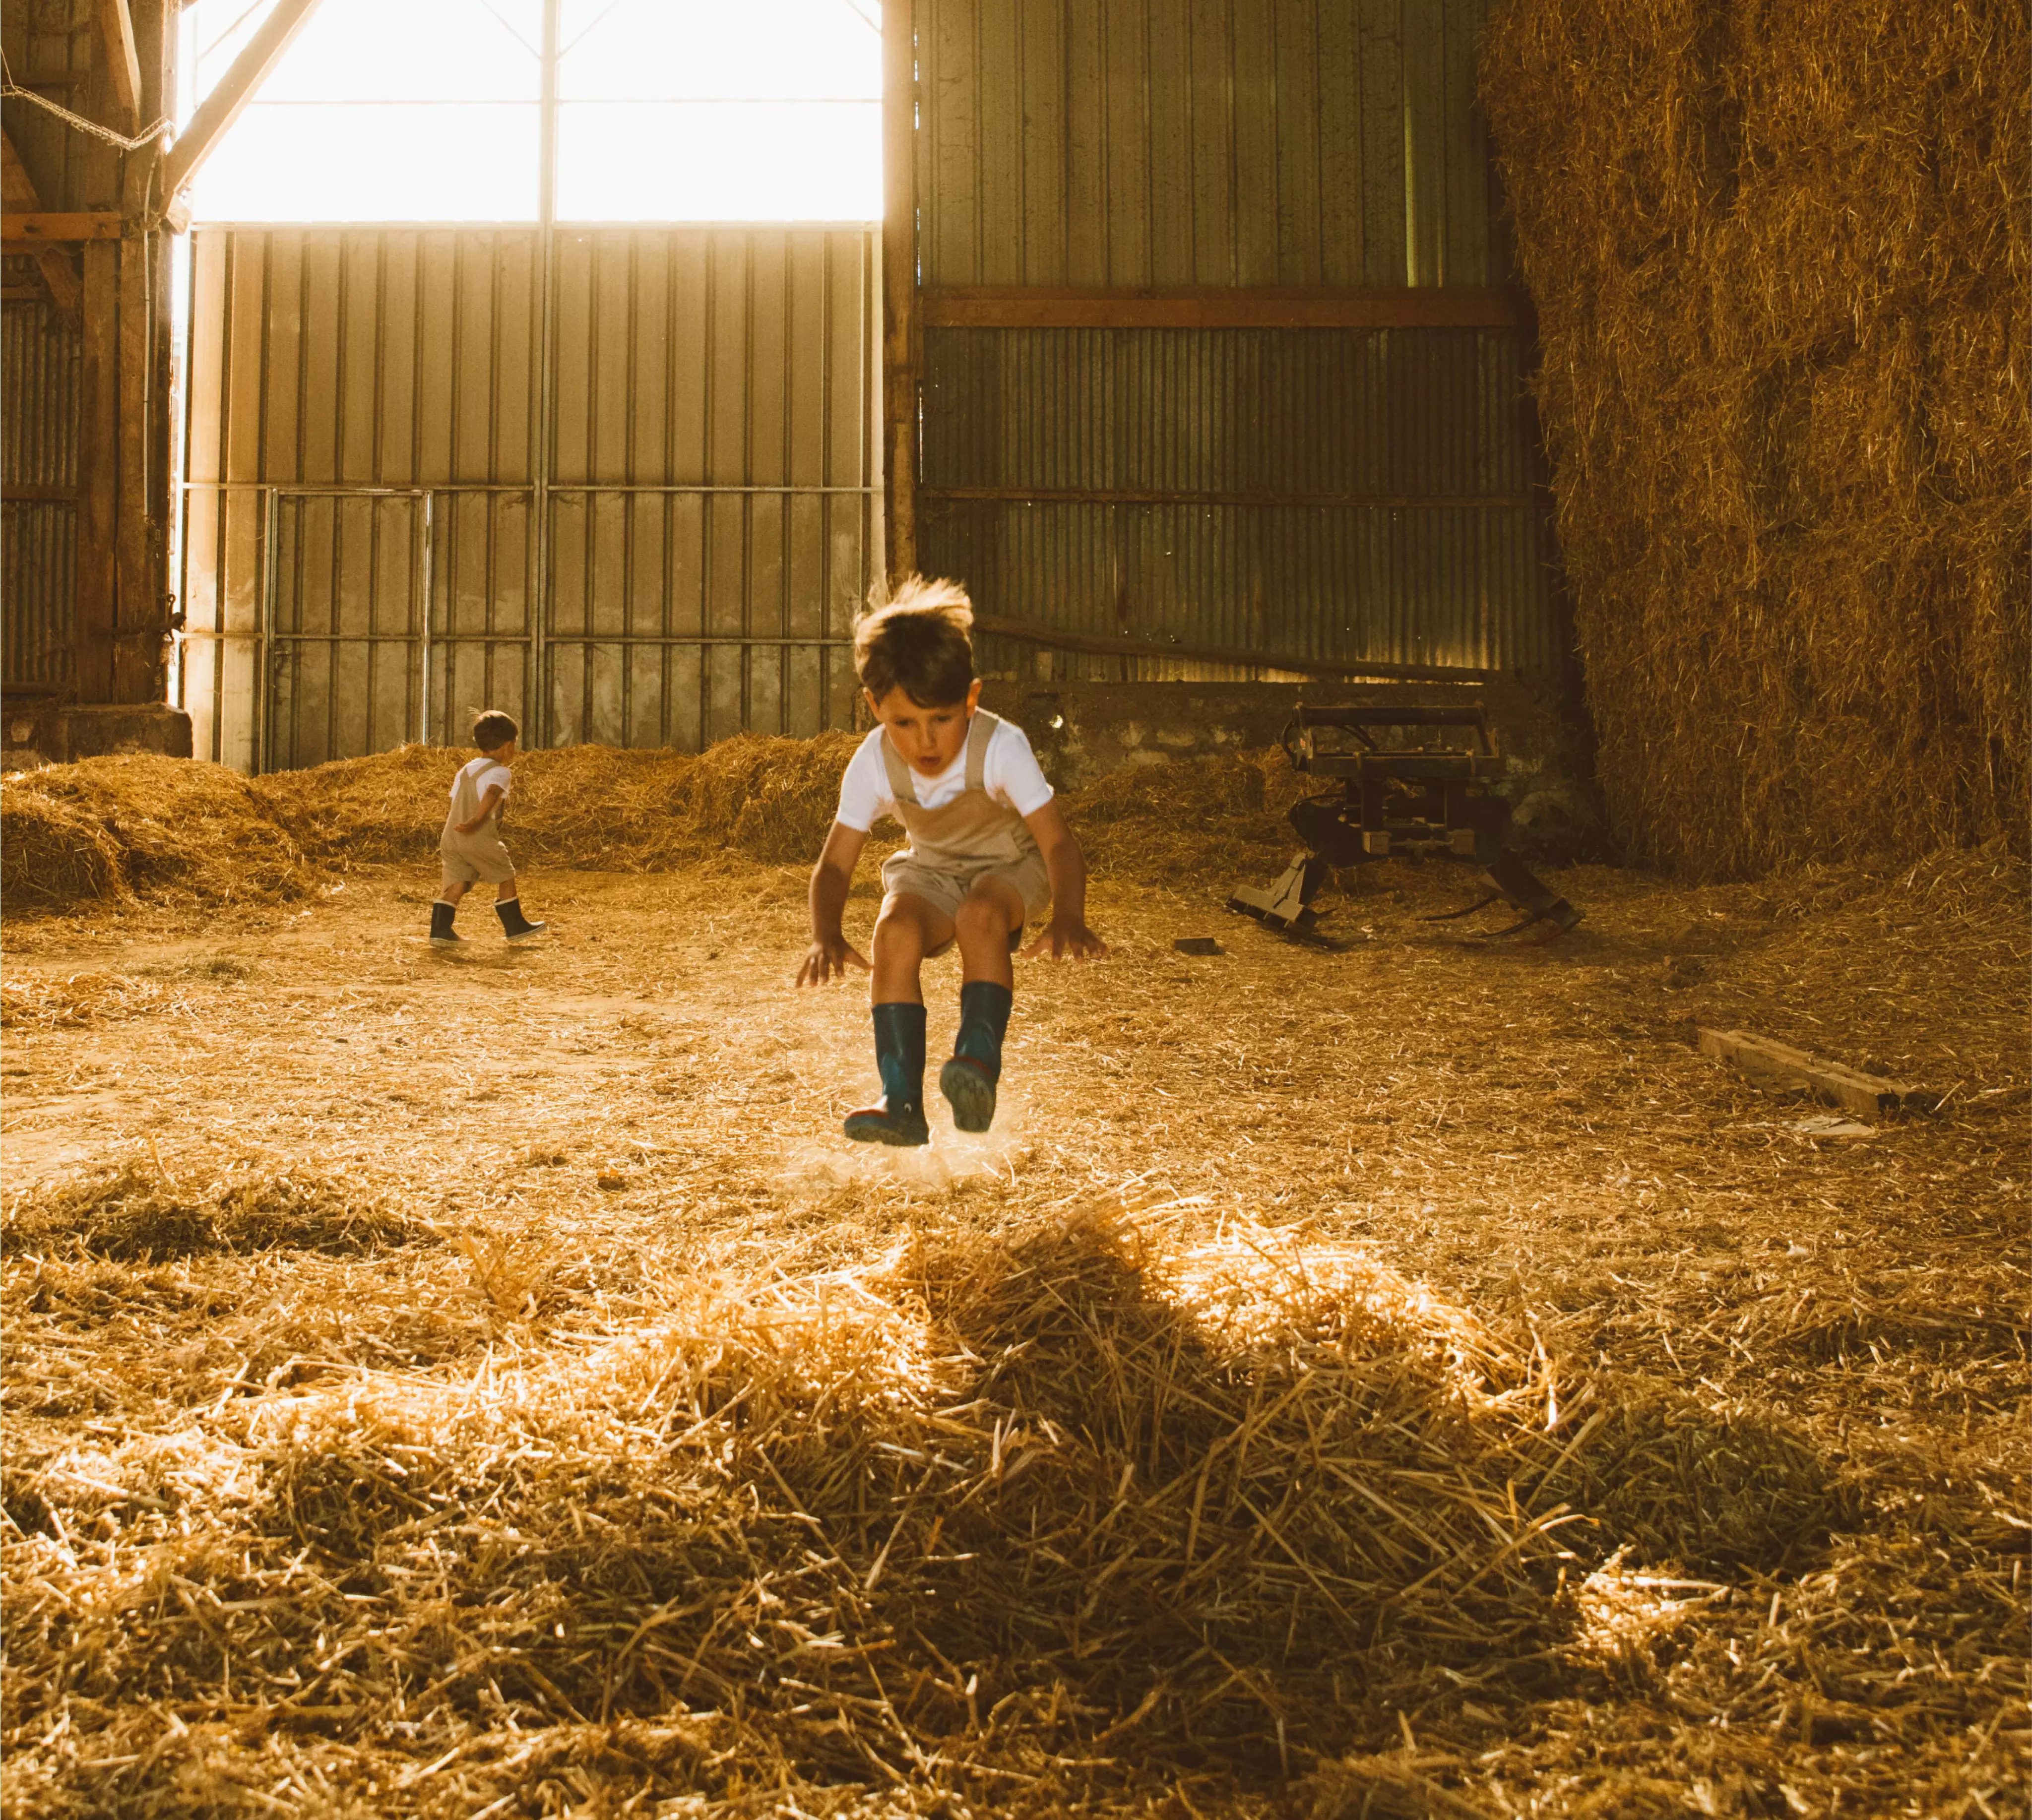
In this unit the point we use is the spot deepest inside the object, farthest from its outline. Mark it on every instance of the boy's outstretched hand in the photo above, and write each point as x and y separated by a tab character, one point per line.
1067	938
829	960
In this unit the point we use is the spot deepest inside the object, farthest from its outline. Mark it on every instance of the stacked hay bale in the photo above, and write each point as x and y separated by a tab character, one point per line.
1779	256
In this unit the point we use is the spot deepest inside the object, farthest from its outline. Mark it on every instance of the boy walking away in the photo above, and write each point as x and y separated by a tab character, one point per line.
988	850
471	843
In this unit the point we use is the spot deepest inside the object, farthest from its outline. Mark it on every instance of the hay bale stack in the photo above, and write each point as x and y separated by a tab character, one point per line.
1780	257
107	829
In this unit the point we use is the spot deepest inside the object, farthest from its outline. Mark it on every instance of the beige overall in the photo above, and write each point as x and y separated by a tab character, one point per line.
471	858
973	836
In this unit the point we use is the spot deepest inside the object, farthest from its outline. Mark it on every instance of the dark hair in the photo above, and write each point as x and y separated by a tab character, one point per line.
493	730
919	641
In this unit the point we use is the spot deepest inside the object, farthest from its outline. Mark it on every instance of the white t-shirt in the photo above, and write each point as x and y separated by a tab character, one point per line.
476	777
1009	775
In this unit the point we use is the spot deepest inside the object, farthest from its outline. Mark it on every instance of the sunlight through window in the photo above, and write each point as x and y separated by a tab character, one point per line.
387	110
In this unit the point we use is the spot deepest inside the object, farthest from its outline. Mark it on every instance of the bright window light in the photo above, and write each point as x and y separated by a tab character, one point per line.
428	110
720	161
374	161
719	50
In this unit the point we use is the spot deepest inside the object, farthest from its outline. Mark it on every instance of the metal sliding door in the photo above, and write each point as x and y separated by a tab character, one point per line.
371	548
1218	346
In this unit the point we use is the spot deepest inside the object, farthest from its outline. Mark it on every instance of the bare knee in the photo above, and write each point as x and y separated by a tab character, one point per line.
981	918
898	935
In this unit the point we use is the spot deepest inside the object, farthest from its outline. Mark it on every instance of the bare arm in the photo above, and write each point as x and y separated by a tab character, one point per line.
488	803
830	953
1065	866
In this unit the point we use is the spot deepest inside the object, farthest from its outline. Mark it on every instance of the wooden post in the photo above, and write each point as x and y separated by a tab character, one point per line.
98	471
137	611
164	500
901	355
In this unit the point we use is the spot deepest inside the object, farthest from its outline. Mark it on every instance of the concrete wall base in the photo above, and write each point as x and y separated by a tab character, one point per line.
37	730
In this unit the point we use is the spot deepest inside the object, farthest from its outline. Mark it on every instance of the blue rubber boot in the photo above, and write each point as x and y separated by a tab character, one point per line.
898	1116
516	926
969	1079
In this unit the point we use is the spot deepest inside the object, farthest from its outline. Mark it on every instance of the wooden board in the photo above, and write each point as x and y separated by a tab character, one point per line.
1771	1063
25	232
1260	306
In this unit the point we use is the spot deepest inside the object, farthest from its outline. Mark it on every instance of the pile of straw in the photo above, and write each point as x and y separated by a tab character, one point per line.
111	830
1780	258
1000	1521
108	830
137	1209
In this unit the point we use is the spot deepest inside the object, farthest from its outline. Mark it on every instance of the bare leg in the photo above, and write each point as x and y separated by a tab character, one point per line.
452	890
908	929
992	912
507	891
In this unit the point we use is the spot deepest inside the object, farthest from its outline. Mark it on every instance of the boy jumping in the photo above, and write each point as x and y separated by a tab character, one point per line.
470	846
988	849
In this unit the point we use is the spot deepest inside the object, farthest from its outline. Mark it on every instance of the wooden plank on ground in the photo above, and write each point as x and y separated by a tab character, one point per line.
1772	1063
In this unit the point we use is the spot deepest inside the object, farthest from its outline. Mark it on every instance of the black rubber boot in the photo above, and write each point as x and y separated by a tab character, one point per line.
519	927
443	934
898	1116
969	1079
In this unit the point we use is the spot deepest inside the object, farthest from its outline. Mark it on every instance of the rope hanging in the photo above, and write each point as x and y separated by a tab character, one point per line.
11	91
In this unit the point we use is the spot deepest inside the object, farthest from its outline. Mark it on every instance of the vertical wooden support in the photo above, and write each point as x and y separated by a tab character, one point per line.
98	471
901	345
138	616
164	500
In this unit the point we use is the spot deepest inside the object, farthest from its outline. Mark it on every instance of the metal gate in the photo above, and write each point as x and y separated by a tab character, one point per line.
645	516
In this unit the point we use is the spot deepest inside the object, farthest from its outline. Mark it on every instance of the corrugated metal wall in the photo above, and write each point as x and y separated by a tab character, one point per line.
1134	143
1342	493
39	398
1193	484
362	544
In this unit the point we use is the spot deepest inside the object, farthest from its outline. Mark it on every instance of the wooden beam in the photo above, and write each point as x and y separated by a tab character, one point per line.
98	473
18	196
1158	496
45	227
1030	633
901	338
1215	307
230	94
1775	1064
116	37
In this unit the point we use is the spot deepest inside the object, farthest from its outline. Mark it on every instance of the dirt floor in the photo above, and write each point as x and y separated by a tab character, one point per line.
489	1384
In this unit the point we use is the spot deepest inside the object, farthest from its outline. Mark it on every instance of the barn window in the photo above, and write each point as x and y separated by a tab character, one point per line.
389	110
